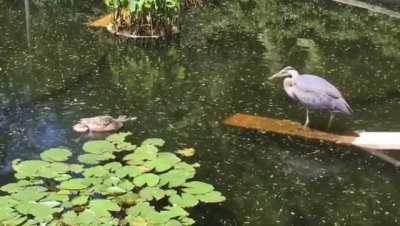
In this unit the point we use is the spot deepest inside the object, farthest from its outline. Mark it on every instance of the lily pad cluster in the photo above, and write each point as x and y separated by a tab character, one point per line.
115	183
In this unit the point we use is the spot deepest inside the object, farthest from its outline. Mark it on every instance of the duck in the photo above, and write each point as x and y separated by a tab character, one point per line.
101	123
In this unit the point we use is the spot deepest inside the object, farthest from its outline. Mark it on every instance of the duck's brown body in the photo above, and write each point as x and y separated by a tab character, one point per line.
103	123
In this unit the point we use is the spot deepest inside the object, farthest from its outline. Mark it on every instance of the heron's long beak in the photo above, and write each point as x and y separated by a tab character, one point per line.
277	75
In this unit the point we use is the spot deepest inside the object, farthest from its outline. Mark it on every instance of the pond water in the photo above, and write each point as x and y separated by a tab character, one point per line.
54	70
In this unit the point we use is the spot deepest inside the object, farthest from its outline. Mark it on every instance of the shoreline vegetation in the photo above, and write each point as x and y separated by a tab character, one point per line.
143	19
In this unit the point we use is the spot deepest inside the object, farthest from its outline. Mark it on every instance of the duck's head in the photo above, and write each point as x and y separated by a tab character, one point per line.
80	128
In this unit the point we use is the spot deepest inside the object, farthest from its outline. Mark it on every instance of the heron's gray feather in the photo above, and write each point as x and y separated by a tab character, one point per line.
317	98
317	85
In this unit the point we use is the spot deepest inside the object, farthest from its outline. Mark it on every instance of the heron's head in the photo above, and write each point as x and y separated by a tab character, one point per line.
285	72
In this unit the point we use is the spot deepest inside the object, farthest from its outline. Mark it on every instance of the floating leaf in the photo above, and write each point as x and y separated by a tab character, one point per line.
98	147
175	211
148	178
29	194
173	223
118	137
58	167
183	200
144	152
41	212
76	168
114	190
187	152
197	187
56	197
175	178
80	200
101	207
56	155
95	158
15	187
74	184
154	141
126	185
127	199
150	193
131	171
211	197
30	168
163	162
113	166
96	171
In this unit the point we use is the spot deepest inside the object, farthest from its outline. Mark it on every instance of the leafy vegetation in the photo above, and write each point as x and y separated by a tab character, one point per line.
147	187
145	17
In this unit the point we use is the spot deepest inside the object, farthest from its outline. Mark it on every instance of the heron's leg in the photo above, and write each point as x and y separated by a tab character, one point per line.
331	119
307	119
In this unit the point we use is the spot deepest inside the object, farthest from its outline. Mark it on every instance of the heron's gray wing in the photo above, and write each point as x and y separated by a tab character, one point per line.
317	93
316	84
313	99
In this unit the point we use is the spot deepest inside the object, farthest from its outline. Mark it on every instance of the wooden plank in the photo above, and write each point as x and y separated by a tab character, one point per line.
366	141
370	7
286	127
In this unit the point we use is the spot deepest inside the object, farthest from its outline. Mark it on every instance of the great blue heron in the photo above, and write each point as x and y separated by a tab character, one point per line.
313	92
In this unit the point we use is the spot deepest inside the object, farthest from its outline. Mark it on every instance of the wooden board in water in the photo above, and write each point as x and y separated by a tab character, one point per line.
286	127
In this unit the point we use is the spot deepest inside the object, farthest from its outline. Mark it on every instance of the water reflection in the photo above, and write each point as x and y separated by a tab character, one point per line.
182	92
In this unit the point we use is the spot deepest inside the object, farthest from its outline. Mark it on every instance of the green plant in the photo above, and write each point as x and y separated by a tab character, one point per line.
147	187
146	17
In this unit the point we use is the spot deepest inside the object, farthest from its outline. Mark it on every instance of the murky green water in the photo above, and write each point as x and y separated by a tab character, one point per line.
61	71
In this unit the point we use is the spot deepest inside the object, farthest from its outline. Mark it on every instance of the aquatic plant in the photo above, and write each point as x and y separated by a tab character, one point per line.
145	17
145	187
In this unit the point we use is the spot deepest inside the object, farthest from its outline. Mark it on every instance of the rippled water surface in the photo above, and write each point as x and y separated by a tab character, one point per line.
54	70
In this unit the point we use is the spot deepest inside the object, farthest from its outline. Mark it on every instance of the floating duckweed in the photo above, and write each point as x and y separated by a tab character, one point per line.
104	191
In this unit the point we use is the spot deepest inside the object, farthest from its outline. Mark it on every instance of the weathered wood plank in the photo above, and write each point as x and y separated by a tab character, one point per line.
366	141
286	127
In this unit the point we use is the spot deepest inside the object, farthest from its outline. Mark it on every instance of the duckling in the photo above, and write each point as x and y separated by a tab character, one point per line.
102	123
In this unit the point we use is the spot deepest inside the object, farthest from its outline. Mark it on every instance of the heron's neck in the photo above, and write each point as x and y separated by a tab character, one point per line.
294	73
288	86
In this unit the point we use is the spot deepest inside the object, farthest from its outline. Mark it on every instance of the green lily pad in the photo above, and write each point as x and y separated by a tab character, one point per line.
150	193
131	171
30	168
118	137
98	147
175	178
93	159
163	162
126	185
187	152
80	200
114	190
74	184
184	200
211	197
148	178
41	212
56	155
101	207
197	187
96	171
173	223
175	211
113	166
144	152
15	187
29	194
76	168
127	199
154	141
